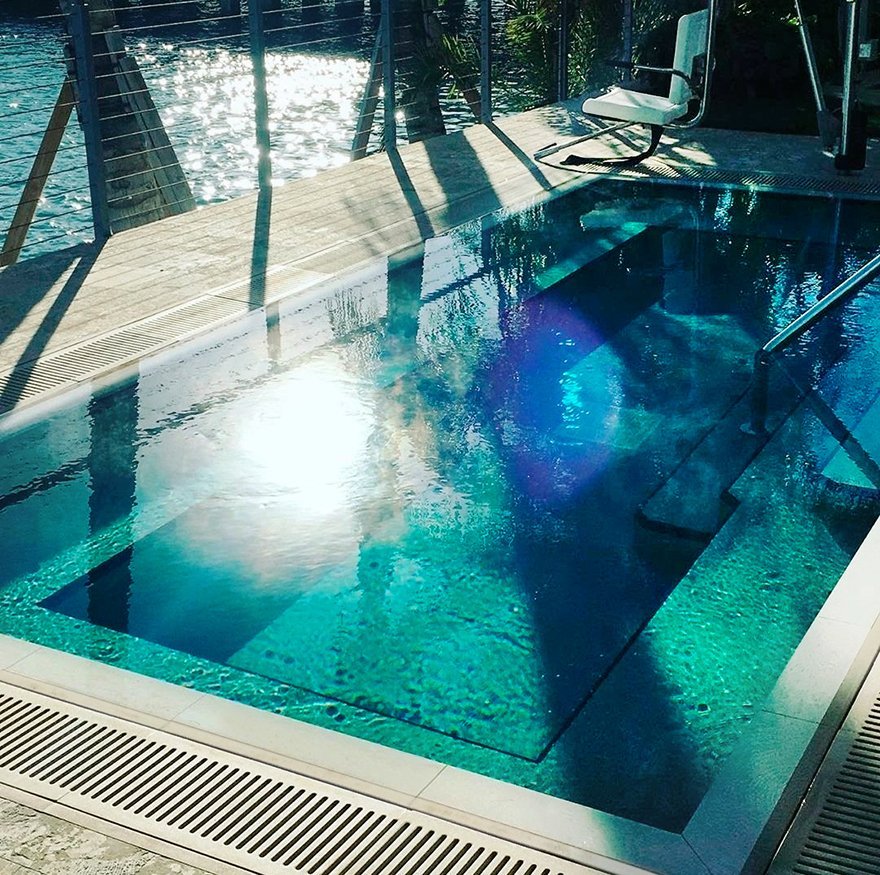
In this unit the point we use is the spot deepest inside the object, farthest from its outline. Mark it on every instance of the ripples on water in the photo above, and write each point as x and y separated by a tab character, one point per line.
205	97
31	73
207	104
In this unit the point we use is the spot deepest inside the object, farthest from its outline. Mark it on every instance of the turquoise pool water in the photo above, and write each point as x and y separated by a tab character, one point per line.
448	505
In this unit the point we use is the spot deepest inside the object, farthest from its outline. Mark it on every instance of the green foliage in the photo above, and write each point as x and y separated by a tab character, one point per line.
531	32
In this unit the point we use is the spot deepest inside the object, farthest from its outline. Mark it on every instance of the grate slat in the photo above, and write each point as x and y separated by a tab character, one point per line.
837	831
252	815
89	359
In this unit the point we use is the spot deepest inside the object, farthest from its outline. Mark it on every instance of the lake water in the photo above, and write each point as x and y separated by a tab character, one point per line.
200	78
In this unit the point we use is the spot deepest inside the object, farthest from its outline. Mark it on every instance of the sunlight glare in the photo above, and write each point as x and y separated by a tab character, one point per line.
308	438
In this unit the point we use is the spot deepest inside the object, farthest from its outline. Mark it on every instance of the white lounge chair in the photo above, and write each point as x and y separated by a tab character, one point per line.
689	72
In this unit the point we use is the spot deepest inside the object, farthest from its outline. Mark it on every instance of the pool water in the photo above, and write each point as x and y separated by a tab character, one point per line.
449	504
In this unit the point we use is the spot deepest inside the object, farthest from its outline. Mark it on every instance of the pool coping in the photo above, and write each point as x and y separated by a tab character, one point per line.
734	830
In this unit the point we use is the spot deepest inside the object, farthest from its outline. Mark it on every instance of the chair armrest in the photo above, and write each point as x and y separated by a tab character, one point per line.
692	84
671	71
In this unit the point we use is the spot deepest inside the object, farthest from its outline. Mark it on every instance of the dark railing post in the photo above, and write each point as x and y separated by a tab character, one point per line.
261	99
627	55
87	92
851	50
562	52
760	390
388	76
485	61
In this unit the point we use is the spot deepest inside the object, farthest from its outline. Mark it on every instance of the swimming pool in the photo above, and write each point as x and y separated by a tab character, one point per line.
446	504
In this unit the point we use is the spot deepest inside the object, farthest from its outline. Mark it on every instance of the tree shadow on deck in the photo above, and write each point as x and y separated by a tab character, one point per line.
462	175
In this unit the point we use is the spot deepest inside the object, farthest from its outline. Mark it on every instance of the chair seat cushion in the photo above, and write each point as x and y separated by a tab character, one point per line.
634	106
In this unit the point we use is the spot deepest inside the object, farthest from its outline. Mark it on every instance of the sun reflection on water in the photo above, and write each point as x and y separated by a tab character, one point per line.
307	439
206	100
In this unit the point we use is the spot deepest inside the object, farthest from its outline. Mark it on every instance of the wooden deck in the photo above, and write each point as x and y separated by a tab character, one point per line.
255	250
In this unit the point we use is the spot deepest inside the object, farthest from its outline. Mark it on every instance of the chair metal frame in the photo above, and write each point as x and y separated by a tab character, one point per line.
691	79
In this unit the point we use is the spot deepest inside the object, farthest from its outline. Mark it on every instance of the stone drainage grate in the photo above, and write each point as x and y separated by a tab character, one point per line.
837	830
249	814
772	182
658	170
114	350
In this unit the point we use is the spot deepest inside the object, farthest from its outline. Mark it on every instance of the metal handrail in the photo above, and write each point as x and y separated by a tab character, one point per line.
763	357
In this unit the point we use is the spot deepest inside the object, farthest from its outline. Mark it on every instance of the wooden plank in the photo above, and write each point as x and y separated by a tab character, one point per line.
33	189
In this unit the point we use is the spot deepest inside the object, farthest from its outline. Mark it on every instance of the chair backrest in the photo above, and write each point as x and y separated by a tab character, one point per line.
691	39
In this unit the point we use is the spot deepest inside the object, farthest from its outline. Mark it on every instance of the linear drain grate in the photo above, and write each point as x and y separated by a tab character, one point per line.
837	830
769	181
249	814
87	360
660	171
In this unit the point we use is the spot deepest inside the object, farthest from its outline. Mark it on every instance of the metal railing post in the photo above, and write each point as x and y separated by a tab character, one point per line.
810	55
389	99
760	391
627	55
857	280
848	70
562	52
485	61
261	99
87	88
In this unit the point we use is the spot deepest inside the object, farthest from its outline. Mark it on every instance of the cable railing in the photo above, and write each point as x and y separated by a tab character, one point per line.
174	105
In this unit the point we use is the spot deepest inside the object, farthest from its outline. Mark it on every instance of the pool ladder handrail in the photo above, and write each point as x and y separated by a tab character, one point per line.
763	357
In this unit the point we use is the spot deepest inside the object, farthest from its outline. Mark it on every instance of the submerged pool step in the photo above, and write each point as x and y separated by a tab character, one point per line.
695	501
841	474
242	812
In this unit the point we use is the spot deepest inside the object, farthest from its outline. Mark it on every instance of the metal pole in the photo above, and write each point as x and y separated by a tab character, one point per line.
810	55
485	61
369	102
829	125
42	166
562	53
84	57
261	98
760	391
388	76
627	40
848	71
865	274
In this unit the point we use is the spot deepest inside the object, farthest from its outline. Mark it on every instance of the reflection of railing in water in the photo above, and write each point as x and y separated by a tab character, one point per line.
807	319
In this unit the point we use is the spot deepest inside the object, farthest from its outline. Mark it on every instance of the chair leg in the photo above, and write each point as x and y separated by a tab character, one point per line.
656	133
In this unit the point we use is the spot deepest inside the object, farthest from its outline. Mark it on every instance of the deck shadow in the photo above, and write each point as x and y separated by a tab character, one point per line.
12	391
24	284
